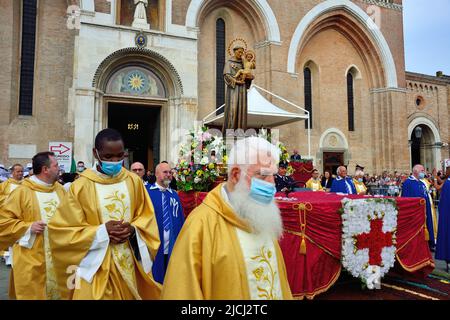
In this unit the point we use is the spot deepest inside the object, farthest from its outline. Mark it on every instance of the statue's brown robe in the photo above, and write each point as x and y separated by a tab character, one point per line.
235	110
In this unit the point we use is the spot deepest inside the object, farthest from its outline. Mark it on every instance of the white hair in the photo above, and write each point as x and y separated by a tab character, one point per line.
338	171
417	168
262	218
250	151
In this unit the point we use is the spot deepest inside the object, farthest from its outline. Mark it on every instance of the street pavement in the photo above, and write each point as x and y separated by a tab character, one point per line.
4	276
4	280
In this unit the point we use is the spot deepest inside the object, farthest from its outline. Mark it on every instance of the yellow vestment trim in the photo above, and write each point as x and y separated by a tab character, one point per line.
115	205
48	202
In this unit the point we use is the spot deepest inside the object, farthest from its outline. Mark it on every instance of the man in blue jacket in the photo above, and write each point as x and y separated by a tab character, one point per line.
414	187
342	183
169	215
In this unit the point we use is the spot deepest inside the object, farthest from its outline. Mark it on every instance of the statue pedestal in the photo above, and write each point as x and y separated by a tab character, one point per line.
141	24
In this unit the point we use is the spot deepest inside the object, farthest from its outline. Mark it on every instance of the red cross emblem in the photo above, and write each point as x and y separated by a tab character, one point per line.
375	241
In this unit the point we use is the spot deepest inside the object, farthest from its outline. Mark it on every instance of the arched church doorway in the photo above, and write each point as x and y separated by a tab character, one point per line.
423	144
139	126
134	98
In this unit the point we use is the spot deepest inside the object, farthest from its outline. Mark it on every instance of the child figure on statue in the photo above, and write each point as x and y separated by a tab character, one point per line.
248	60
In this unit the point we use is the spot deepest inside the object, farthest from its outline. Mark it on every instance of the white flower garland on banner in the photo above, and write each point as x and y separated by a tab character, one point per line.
357	239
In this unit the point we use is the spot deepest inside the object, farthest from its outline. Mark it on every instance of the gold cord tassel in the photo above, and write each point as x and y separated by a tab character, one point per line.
427	235
303	246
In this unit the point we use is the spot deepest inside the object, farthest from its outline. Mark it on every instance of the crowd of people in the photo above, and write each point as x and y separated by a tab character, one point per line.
386	183
114	233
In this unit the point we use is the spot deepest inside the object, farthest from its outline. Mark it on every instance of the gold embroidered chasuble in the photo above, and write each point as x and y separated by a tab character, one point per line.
314	185
92	200
216	257
7	187
33	270
360	187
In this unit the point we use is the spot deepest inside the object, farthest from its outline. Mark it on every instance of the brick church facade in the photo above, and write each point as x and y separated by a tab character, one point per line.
68	68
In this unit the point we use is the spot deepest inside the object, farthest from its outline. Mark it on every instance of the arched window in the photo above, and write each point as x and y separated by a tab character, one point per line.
29	13
220	63
350	102
308	95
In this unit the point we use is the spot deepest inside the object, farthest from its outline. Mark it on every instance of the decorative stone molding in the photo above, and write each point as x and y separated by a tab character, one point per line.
366	22
138	51
385	4
273	30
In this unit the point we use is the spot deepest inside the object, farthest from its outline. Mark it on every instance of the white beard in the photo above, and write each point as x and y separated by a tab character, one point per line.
262	218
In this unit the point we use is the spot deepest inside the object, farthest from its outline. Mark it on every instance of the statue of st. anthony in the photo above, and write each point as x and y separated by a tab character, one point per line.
237	80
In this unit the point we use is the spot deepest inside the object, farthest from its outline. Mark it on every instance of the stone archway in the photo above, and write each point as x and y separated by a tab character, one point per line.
333	150
259	7
424	143
93	105
313	16
141	56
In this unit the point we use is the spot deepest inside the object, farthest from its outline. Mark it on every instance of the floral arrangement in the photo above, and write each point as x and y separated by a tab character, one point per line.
201	158
369	238
284	155
290	170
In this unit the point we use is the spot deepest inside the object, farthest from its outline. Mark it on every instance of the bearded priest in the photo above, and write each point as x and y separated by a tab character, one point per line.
228	248
105	211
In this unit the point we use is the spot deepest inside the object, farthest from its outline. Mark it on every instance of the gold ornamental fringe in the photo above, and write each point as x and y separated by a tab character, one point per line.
427	234
303	246
302	209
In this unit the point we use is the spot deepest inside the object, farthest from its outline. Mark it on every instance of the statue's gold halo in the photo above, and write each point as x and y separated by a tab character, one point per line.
240	41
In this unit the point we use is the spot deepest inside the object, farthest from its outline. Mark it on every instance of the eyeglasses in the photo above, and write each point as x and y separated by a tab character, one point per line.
137	169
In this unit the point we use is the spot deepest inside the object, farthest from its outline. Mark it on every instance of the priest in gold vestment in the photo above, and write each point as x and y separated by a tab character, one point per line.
314	182
228	248
12	183
9	186
104	235
358	181
23	225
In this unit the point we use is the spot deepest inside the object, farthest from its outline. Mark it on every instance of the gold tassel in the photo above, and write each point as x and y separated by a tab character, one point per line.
303	246
427	234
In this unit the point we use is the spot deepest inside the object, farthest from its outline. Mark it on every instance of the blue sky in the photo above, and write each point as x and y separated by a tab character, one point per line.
427	35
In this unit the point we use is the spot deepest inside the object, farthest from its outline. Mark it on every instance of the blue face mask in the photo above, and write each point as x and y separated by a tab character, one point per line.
262	191
360	180
110	168
421	175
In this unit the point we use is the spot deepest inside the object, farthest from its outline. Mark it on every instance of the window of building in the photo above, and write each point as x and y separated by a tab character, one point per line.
350	101
29	12
420	102
308	95
220	63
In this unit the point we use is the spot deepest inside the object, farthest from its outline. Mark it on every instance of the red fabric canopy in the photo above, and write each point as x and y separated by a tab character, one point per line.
190	200
303	171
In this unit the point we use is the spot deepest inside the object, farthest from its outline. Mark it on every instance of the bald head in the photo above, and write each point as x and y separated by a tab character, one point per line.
163	174
138	168
417	170
17	172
